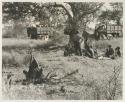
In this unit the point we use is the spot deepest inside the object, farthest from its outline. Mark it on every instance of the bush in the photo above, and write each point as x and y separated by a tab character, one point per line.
14	58
18	31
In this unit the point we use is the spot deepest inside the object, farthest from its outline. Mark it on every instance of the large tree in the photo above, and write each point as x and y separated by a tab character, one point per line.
77	12
77	16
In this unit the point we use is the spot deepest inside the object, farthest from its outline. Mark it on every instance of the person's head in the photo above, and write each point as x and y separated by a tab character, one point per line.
118	48
109	46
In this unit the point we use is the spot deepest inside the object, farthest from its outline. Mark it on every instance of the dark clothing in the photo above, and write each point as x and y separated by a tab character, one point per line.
68	50
76	37
34	72
77	48
28	31
33	33
89	50
76	42
109	52
85	35
117	52
90	53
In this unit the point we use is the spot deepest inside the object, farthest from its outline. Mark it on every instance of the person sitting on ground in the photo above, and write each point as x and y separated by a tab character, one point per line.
90	52
109	52
117	51
35	73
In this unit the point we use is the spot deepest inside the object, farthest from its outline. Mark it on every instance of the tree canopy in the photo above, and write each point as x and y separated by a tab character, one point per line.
115	14
19	10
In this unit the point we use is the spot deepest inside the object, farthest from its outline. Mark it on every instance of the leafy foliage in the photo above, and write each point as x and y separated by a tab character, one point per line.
17	10
115	14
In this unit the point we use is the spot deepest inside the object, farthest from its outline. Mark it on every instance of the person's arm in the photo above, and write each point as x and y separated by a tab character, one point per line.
112	51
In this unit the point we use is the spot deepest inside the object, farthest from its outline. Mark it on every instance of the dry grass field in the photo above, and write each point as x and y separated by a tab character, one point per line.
92	79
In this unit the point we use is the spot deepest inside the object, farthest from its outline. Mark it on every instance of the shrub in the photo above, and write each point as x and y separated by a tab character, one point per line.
14	58
18	31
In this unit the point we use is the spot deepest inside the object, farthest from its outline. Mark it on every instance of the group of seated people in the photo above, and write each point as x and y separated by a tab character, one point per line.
109	52
91	52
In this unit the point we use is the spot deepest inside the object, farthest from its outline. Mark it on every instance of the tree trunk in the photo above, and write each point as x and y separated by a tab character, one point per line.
73	44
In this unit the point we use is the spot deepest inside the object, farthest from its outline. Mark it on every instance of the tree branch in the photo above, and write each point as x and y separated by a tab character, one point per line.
67	12
90	11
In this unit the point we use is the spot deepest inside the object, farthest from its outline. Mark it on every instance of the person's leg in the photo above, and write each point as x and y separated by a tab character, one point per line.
79	49
76	47
88	54
25	73
91	52
83	51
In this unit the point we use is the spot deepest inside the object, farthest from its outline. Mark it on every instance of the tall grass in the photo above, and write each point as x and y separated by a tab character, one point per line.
14	59
102	44
23	43
88	90
90	83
